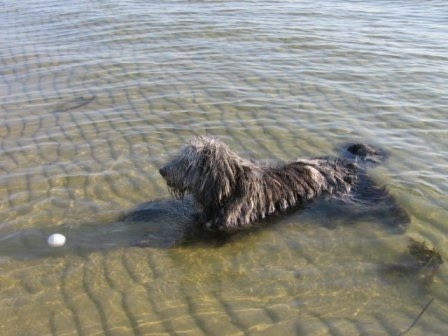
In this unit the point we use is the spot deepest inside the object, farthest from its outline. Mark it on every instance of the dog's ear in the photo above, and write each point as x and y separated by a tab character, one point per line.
218	171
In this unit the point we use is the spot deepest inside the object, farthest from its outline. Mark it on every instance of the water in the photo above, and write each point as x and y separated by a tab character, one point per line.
96	95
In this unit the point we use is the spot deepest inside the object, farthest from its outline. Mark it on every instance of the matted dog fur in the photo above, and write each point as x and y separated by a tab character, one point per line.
231	192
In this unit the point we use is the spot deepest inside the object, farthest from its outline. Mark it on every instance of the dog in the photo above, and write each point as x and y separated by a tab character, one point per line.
230	193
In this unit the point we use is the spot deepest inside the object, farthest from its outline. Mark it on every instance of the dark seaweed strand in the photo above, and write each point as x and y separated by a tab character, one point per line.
417	318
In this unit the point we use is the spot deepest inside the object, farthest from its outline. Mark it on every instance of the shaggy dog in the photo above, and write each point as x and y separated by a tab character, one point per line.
230	192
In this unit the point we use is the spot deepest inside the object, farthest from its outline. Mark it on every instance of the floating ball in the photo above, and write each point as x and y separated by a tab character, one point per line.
56	240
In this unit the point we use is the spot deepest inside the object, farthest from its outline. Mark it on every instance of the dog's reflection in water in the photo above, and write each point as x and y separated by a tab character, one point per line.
170	223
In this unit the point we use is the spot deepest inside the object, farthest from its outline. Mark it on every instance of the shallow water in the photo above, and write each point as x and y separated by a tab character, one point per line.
96	96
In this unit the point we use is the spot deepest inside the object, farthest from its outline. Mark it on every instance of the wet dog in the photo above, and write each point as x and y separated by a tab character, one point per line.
230	192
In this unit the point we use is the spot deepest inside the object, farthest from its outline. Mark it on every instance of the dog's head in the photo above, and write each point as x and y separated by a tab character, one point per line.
206	168
179	173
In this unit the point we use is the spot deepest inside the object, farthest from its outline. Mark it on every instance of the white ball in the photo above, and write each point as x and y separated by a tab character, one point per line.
56	240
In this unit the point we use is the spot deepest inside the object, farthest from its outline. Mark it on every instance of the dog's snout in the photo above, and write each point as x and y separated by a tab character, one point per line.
162	171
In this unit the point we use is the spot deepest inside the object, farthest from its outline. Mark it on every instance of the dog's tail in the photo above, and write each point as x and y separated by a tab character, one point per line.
367	193
366	153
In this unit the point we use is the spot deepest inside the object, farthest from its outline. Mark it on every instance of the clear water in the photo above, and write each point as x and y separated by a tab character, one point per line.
96	95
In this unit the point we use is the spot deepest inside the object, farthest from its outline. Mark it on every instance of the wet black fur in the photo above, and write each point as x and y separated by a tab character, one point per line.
230	193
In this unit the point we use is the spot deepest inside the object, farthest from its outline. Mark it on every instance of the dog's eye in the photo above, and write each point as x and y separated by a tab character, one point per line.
163	171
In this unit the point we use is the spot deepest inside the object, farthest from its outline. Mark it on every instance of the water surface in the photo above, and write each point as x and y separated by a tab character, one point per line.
96	96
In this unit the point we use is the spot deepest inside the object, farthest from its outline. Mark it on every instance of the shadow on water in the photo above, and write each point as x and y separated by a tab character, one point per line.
168	223
156	224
